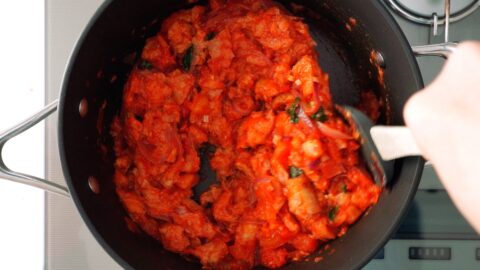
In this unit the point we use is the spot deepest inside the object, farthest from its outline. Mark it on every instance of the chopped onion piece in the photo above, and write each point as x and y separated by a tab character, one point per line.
332	133
304	117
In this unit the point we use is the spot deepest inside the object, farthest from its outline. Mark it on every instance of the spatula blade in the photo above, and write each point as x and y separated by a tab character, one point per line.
381	170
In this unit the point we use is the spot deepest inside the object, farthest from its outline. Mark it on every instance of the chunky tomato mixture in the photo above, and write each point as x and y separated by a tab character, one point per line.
241	75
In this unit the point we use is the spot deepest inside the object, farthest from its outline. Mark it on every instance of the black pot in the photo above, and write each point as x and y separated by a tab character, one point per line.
99	67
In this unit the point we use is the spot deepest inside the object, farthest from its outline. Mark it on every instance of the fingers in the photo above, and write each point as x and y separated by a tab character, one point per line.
455	92
445	121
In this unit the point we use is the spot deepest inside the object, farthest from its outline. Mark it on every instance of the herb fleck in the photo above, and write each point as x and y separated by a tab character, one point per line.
295	172
332	213
145	65
210	36
187	58
320	115
344	188
292	111
207	149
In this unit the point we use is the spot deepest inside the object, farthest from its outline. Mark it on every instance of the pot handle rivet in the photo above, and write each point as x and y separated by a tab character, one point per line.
83	107
93	184
379	59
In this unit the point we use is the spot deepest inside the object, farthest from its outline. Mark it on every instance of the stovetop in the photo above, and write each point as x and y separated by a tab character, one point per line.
433	236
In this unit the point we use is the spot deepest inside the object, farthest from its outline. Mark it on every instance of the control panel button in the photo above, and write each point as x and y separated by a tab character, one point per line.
431	253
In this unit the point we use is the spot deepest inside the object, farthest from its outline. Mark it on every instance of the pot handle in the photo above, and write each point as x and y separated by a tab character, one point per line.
441	50
8	134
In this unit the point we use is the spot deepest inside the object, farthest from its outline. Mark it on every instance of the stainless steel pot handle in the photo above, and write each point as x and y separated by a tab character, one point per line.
441	49
26	179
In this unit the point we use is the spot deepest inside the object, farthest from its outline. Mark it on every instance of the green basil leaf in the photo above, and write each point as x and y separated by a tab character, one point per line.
145	65
187	58
292	111
295	172
320	115
210	36
332	213
344	188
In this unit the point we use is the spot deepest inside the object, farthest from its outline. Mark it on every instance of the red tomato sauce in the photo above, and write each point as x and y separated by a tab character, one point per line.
243	76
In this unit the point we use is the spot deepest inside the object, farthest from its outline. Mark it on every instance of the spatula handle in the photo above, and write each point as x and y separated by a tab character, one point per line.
394	142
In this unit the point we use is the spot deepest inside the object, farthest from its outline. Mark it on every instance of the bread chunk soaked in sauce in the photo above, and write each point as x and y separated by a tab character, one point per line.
241	75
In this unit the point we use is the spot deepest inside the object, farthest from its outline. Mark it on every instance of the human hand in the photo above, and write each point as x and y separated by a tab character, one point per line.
445	121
